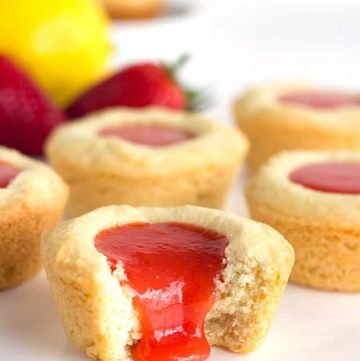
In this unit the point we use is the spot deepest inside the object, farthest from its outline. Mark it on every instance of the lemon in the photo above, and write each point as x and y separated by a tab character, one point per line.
62	44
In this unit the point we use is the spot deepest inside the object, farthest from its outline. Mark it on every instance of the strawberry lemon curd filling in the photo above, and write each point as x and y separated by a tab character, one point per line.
7	173
172	269
333	177
320	100
153	135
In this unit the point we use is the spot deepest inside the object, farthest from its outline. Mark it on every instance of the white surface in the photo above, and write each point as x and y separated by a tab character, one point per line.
235	43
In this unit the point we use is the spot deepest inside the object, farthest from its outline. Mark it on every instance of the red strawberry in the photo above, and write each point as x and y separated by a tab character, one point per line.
136	86
26	114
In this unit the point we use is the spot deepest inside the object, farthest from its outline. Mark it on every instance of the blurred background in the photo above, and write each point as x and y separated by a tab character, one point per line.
236	43
67	46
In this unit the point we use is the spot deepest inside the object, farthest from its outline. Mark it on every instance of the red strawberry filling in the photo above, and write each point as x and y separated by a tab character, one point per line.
153	135
7	174
333	177
172	268
320	100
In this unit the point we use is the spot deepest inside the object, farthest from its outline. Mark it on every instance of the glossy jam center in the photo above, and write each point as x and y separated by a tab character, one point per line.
7	174
172	268
153	135
320	100
334	177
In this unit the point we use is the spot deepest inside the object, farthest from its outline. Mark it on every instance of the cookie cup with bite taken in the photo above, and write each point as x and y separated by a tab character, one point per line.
115	273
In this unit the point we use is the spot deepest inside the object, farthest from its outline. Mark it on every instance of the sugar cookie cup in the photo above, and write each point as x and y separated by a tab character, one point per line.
296	117
298	194
104	169
96	303
32	199
134	9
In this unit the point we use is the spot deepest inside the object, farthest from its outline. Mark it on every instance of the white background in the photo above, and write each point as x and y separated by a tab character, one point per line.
235	44
238	43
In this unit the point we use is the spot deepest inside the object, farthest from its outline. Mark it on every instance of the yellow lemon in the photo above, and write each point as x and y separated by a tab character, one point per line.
62	44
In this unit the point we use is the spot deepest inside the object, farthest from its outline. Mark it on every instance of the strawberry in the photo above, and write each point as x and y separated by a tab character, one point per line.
137	86
26	114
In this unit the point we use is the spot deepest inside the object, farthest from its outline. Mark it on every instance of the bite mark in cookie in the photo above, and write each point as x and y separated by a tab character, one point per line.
172	269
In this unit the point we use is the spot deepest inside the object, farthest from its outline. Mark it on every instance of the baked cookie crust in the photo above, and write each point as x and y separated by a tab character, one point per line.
97	312
134	9
103	171
323	227
32	203
272	126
